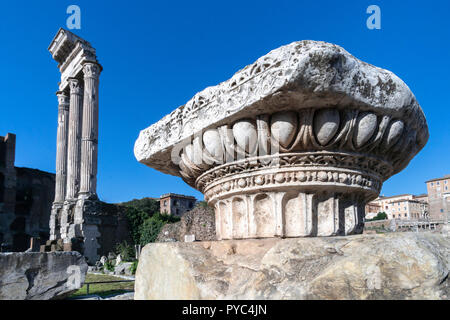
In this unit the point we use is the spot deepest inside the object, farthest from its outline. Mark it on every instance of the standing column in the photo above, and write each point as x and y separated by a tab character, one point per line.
61	163
89	141
61	147
74	145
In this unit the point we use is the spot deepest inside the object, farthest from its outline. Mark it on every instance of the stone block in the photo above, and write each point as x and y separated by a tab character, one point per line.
40	276
361	267
123	268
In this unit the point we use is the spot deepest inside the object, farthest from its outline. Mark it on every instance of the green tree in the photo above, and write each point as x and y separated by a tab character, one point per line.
126	251
144	219
135	219
148	205
379	216
136	212
152	226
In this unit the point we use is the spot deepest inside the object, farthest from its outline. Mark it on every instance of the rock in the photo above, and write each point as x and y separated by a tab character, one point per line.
124	268
389	266
111	256
93	268
103	260
118	260
40	276
123	296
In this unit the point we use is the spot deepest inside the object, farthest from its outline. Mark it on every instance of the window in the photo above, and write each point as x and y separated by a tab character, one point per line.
432	184
406	215
165	202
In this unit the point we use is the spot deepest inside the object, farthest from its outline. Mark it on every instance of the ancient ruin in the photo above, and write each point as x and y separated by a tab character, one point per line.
293	145
76	200
26	197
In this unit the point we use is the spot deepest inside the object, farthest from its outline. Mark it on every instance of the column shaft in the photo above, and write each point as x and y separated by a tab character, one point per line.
89	141
74	145
61	147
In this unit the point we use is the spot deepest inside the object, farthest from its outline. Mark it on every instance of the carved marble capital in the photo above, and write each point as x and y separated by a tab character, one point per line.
91	70
293	145
75	86
63	100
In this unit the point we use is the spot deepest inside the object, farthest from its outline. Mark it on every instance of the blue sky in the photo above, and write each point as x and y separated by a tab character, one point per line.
157	55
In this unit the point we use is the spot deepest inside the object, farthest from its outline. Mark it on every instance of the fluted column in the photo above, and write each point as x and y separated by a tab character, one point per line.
61	147
89	140
74	145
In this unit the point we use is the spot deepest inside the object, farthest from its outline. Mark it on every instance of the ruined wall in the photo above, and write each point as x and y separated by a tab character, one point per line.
28	213
199	222
113	228
35	191
26	196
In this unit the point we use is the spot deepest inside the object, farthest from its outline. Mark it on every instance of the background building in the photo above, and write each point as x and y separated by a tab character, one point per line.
372	210
176	204
26	197
439	197
409	209
404	207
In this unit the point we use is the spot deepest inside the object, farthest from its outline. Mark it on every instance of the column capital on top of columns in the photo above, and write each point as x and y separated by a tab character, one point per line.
91	69
63	98
75	86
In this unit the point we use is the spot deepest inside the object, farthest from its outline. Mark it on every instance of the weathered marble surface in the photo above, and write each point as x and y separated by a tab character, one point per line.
77	145
38	276
303	74
391	266
293	145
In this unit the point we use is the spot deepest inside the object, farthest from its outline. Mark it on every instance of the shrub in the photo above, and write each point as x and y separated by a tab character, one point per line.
134	267
152	226
202	204
108	266
379	216
126	251
145	221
